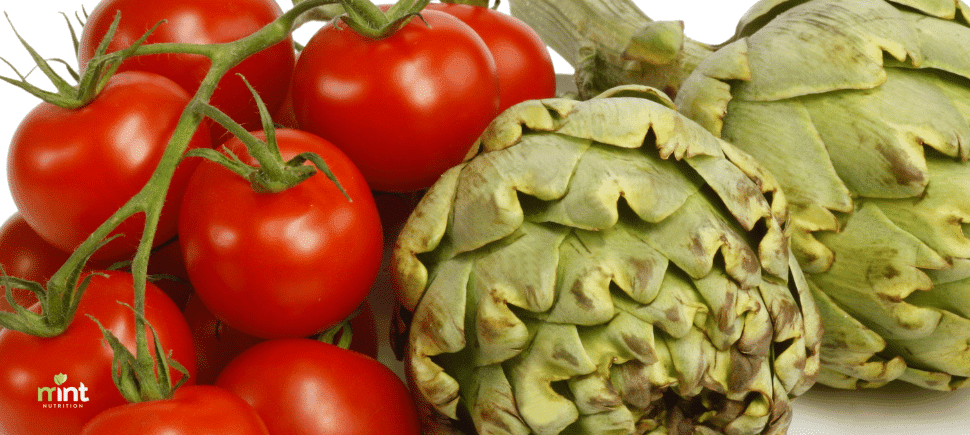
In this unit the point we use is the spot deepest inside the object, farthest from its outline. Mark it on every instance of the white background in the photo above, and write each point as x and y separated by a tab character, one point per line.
897	409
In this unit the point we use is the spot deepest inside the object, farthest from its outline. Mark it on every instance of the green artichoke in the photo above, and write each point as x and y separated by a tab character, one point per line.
604	267
861	111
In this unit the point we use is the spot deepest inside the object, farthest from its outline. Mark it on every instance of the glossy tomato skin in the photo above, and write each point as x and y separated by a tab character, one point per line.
28	363
217	344
199	22
193	410
303	387
70	169
23	254
525	70
404	108
289	264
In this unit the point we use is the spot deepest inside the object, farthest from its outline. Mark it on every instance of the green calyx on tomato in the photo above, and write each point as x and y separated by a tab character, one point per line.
89	84
273	174
341	334
79	354
55	317
58	300
404	108
370	21
142	379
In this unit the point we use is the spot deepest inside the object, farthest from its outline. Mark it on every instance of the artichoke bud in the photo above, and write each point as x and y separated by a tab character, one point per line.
859	109
604	267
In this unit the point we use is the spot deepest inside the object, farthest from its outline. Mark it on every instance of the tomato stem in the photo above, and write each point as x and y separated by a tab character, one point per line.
132	383
368	20
62	294
273	174
324	13
150	199
89	84
637	49
340	335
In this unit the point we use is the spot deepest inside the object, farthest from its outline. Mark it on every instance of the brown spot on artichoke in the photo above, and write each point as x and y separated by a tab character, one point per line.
858	107
617	270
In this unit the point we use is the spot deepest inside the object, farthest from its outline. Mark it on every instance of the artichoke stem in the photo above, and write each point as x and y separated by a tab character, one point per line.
615	41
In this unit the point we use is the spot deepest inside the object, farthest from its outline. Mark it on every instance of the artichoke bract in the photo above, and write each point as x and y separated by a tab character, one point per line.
604	267
861	110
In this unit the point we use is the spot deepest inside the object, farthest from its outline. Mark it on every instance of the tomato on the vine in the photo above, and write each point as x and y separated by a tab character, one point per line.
53	386
199	22
70	169
287	264
304	387
23	254
405	108
525	70
192	410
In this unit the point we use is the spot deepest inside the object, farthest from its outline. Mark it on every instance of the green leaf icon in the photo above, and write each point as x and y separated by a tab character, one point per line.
60	378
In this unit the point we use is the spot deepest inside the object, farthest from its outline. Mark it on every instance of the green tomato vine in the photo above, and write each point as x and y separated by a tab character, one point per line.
136	377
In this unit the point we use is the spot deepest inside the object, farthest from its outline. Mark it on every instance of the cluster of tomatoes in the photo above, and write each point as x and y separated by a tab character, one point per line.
249	279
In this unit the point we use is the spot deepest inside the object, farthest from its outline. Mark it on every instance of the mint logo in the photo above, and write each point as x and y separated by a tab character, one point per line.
63	397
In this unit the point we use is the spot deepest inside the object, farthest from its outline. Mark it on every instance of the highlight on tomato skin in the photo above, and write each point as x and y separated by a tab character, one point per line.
357	394
192	410
404	108
199	22
522	60
58	157
287	264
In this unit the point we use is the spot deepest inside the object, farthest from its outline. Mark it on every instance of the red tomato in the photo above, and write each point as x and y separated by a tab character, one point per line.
404	108
303	387
193	410
23	254
363	326
525	70
217	344
45	381
199	22
285	115
289	264
70	169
